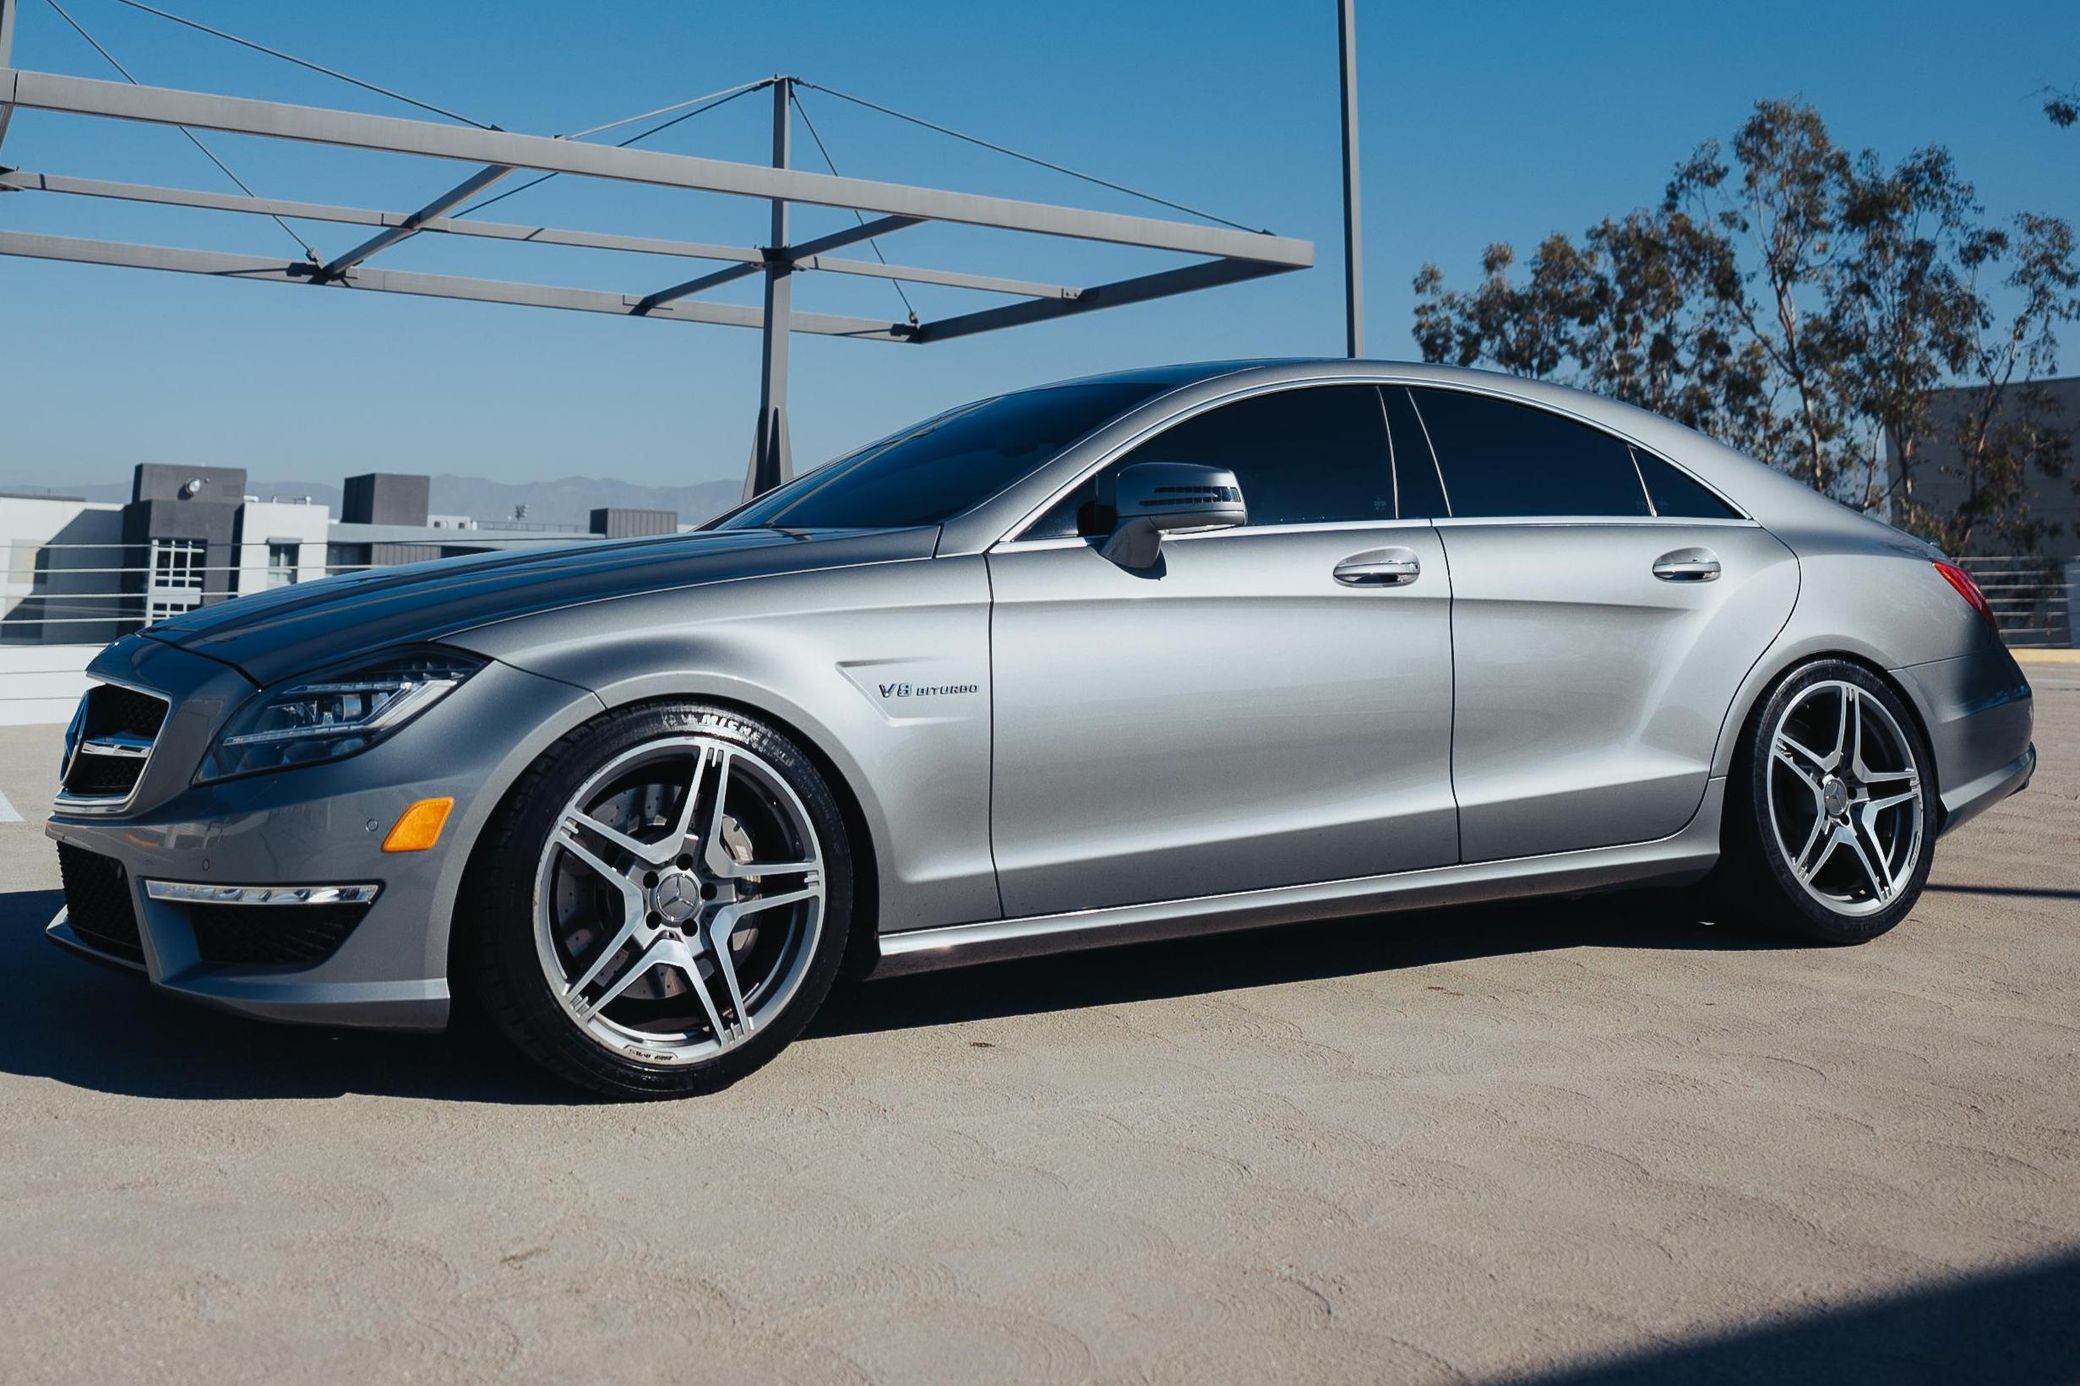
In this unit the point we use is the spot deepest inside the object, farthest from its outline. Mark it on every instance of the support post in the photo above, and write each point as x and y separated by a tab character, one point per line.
7	15
1353	254
771	460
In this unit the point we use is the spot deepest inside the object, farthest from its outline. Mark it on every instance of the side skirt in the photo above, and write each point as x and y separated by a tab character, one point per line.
1678	859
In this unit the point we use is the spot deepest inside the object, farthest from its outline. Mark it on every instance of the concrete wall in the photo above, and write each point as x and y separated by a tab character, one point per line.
385	498
48	591
263	523
620	522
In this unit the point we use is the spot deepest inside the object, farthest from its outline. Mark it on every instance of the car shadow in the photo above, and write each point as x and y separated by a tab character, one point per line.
1299	953
105	1029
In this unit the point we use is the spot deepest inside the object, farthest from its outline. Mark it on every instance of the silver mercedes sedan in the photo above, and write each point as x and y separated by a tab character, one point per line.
1143	655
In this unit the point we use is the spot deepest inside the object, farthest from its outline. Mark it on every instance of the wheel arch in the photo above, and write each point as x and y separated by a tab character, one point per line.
1773	669
861	947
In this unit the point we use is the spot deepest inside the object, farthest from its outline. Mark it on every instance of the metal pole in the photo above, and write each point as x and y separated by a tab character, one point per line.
771	460
7	14
1353	253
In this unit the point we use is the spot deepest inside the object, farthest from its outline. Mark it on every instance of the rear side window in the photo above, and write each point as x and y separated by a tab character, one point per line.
1675	494
1508	460
1308	456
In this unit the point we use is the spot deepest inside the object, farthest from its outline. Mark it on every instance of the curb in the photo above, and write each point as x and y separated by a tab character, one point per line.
2044	656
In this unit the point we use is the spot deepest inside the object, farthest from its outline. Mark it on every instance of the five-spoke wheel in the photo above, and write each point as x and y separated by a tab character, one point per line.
688	895
1829	819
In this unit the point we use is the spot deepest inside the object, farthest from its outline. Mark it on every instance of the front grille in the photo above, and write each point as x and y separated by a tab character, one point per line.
98	904
113	709
293	935
117	727
102	777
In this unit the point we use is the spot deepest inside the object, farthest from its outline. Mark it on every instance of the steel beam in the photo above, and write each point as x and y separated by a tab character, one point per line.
851	235
165	106
952	279
24	180
260	270
410	226
701	284
1140	289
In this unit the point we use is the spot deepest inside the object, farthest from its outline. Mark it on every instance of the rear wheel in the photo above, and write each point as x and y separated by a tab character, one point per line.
664	902
1830	826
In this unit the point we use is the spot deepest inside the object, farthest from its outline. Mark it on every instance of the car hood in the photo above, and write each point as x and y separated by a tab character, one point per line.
290	630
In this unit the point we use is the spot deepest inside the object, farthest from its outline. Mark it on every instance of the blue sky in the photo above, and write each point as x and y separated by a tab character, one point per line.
1487	122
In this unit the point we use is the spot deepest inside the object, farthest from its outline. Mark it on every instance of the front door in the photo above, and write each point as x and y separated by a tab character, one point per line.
1244	717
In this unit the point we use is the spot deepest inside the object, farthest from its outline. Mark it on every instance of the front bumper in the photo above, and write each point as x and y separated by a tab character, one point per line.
312	826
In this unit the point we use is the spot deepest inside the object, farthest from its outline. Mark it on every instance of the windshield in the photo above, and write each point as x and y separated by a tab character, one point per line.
929	473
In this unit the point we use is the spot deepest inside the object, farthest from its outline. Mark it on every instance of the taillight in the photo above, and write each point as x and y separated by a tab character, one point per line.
1969	590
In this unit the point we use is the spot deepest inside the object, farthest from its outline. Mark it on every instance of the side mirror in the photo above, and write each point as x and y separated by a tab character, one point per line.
1149	498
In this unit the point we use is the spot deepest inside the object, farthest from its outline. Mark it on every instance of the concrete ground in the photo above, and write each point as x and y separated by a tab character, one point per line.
1591	1142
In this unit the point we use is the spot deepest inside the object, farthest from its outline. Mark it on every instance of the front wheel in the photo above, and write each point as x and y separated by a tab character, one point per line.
663	902
1831	816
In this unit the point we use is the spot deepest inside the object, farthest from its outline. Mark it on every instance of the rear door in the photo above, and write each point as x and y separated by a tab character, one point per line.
1606	605
1241	716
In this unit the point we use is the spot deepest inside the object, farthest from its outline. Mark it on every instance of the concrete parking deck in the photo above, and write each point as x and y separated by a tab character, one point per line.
1595	1141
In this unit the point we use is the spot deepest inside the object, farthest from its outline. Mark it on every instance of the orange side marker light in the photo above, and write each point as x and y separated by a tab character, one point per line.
419	827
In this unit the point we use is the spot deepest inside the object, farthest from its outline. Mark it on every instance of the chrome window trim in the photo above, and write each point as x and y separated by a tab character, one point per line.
1079	541
1660	521
1385	378
105	804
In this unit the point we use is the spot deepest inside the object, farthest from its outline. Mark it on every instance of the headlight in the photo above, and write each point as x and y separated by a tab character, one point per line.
335	713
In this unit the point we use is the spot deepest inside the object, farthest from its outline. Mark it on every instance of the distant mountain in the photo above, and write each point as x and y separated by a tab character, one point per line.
567	501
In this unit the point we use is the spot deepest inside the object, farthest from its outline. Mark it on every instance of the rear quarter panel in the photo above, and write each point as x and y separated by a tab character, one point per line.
1873	594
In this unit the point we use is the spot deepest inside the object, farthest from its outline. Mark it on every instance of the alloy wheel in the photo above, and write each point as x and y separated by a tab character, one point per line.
1845	799
679	900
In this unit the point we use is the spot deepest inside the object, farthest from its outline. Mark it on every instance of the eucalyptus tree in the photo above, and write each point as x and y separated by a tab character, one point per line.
1802	302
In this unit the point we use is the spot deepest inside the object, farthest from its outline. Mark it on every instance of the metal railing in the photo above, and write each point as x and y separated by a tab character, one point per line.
71	593
2029	596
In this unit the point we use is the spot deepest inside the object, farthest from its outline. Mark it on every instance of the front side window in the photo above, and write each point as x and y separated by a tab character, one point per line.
1308	456
1512	460
930	473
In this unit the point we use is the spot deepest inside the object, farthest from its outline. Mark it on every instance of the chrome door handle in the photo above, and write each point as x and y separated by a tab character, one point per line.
1379	568
1687	565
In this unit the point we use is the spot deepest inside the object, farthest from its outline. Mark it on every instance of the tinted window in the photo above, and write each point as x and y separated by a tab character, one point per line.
1415	469
1674	493
1500	458
944	466
1303	456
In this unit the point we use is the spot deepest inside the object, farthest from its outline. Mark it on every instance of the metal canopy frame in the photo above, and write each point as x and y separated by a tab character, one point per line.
1228	256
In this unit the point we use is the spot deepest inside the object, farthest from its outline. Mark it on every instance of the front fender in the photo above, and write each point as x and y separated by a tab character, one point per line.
883	669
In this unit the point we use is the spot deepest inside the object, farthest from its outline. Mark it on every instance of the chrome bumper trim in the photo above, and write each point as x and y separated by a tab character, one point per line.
205	893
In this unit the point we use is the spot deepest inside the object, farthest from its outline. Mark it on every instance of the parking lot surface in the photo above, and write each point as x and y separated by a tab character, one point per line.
1592	1141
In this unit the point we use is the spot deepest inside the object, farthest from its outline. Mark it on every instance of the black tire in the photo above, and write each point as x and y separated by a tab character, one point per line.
1755	884
498	917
